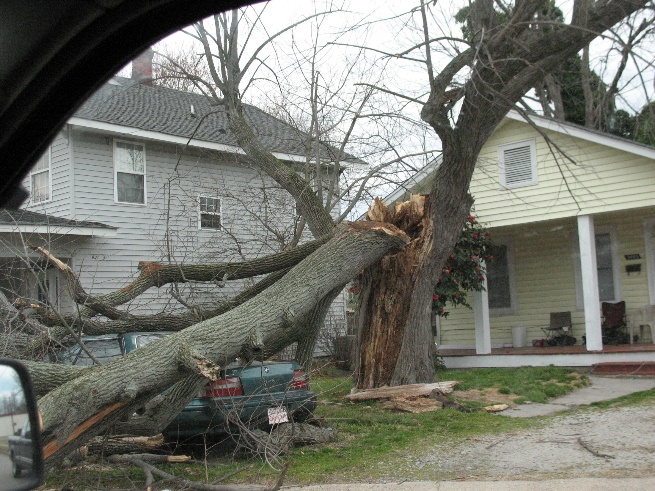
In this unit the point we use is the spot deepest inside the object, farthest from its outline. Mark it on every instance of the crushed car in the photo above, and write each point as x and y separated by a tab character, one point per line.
259	394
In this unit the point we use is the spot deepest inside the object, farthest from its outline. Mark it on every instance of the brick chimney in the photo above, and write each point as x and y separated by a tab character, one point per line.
142	67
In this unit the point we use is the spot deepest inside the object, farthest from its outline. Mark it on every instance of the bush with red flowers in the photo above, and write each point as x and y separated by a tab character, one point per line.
463	271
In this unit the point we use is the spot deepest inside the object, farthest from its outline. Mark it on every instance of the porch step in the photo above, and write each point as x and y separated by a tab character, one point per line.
624	368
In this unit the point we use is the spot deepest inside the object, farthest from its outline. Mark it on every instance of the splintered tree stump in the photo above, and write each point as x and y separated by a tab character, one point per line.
395	344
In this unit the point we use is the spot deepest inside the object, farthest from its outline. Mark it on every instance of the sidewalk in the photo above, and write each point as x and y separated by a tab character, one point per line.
601	389
626	484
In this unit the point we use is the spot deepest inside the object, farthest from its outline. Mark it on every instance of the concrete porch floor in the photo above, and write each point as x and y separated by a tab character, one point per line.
568	356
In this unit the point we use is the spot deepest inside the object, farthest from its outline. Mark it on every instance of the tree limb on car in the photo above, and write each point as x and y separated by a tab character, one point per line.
121	387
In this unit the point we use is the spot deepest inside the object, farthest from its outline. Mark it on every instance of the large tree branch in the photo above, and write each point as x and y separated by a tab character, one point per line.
77	292
48	376
158	322
318	219
228	81
74	409
159	411
154	274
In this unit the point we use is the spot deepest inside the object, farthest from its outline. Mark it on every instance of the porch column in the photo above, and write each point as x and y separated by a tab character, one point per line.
589	272
482	325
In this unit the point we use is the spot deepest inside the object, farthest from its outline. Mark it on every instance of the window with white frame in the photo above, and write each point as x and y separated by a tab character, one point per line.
40	179
518	164
209	210
130	172
607	266
500	280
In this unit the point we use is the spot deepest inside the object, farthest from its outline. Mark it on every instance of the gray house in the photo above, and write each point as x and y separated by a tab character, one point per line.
146	173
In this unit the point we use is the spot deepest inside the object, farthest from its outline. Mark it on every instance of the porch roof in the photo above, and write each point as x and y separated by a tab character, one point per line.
24	221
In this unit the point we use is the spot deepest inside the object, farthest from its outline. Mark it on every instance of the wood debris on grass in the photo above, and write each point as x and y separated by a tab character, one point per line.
414	398
414	405
404	391
496	408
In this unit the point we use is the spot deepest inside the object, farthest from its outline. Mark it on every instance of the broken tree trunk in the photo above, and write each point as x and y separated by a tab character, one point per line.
395	343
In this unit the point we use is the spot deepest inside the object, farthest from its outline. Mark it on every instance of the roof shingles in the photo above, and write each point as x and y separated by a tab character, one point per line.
26	217
168	111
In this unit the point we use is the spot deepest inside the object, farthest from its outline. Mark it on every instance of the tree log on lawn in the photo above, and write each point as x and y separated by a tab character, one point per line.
79	409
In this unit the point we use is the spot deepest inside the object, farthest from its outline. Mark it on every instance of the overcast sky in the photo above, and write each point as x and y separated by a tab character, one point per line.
392	35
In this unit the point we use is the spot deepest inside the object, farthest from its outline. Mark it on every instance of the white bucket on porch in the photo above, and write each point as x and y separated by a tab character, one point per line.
518	336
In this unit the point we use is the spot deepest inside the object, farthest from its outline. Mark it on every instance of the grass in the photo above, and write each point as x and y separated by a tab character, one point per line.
372	441
629	400
535	384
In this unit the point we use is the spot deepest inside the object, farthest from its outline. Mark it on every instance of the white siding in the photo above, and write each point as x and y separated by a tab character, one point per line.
574	177
544	255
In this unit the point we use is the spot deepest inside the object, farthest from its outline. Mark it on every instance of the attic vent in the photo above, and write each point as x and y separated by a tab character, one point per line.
518	164
193	111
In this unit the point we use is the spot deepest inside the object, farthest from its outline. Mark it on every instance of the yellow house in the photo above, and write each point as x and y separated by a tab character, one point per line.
573	213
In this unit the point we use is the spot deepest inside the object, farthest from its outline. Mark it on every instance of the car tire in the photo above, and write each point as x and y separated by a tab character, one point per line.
15	468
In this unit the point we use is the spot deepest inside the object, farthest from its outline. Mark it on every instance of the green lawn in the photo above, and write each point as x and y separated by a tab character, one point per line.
370	438
535	384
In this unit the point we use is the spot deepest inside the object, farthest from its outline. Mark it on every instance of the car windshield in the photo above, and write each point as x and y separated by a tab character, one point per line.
105	350
143	339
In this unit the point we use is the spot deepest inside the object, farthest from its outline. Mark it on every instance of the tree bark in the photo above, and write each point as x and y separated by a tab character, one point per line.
395	342
314	323
555	92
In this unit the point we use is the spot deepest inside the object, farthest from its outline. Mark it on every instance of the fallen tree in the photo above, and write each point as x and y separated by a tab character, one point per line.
88	404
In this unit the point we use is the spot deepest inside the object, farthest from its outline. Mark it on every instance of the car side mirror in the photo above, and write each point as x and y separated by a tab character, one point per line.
21	451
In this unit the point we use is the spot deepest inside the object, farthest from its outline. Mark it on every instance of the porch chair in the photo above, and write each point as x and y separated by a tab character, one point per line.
614	327
558	333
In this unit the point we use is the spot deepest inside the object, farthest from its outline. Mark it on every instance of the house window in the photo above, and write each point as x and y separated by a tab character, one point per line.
604	264
40	179
210	212
607	267
130	172
518	164
500	280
